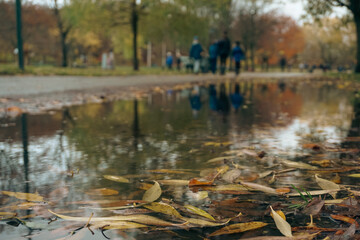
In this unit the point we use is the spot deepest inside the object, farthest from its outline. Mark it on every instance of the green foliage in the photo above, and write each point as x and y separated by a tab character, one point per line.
307	198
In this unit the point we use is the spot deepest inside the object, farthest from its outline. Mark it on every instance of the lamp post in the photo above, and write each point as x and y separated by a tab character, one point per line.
19	34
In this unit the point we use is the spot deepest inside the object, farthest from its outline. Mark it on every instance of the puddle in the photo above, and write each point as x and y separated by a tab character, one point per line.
64	155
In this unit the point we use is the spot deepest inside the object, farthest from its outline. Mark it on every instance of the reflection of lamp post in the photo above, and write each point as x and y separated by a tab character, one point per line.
19	34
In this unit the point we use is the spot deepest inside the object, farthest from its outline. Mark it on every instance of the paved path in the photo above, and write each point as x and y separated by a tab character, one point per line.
11	86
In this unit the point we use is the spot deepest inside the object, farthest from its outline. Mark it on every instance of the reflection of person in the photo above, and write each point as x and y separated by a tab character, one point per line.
238	55
213	56
195	54
195	100
223	105
236	98
224	48
282	63
212	97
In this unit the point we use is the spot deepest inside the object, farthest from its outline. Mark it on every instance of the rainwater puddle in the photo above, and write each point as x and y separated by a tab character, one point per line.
260	132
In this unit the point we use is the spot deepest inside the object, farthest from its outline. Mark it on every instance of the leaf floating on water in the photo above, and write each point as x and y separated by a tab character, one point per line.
217	144
116	178
163	208
238	228
173	182
31	197
355	175
199	211
300	165
153	193
281	224
204	223
259	187
102	191
196	182
327	185
144	219
118	225
312	193
198	195
170	171
231	175
219	159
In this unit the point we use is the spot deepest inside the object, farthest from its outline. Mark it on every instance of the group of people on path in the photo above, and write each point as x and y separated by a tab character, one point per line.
218	49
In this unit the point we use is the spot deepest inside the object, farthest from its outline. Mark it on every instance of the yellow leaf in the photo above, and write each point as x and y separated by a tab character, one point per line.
238	228
281	214
163	208
327	185
31	197
116	178
217	144
259	187
144	219
117	225
153	193
218	159
355	175
283	226
300	165
199	212
204	223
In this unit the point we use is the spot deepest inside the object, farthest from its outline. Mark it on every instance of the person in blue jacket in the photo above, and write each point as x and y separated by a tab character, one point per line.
236	98
169	60
195	54
238	55
213	51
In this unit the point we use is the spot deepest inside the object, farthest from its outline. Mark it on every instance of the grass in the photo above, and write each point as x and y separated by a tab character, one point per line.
12	69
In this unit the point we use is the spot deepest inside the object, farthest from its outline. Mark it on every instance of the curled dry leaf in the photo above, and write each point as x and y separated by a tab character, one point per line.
283	226
238	228
327	185
31	197
116	178
199	211
153	193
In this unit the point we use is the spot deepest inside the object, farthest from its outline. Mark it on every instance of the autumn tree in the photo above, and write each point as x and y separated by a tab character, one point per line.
322	7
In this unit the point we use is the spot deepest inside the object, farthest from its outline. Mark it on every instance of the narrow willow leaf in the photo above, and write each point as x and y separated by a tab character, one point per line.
219	159
283	226
118	225
327	185
144	219
312	193
238	228
300	165
31	197
259	187
199	211
174	182
163	208
355	175
204	223
102	191
116	178
153	193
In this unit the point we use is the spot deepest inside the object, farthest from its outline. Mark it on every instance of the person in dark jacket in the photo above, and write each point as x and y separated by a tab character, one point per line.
195	54
213	52
238	55
224	48
236	98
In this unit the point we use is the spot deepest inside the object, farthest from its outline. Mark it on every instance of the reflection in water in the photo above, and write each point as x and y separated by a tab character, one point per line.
131	137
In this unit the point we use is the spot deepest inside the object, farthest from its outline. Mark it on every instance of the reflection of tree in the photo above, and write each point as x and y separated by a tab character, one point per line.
354	130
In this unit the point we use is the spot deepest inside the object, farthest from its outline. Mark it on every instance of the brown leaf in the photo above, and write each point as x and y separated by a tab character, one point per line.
238	228
345	219
196	182
314	207
102	191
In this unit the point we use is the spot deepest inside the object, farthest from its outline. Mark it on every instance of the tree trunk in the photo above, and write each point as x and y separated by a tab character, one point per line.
64	62
357	23
134	24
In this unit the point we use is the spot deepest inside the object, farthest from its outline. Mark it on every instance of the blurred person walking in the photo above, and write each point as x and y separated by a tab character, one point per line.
224	48
195	54
213	53
238	55
169	60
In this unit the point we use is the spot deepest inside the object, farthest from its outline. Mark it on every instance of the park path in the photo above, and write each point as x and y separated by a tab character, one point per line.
21	86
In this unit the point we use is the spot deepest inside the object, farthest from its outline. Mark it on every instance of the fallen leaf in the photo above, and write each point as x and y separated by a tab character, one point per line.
219	159
327	185
258	187
283	226
282	190
118	225
312	146
170	171
250	152
102	191
345	219
196	182
144	219
31	197
265	174
163	208
238	228
231	175
153	193
355	175
173	182
204	223
322	163
116	178
314	207
217	144
312	193
300	165
199	211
